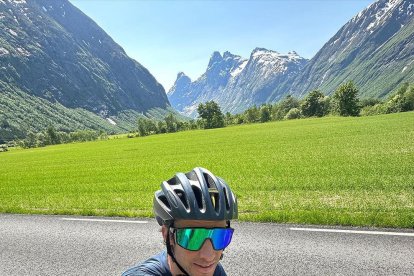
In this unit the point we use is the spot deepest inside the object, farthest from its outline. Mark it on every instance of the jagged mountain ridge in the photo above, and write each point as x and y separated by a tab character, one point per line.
264	70
51	50
219	71
235	83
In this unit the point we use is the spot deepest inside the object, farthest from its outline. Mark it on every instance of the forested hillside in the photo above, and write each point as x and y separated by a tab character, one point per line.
59	67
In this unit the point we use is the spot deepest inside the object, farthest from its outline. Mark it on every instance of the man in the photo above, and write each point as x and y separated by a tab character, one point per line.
194	210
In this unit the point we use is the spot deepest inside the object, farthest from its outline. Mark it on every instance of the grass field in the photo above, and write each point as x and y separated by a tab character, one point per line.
349	171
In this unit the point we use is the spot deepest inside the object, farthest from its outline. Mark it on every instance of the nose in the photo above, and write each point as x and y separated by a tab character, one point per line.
207	251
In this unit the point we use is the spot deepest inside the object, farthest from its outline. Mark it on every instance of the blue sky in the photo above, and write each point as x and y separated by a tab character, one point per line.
168	37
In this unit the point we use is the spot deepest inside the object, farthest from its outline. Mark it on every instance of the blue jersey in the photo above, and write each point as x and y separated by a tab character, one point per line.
158	266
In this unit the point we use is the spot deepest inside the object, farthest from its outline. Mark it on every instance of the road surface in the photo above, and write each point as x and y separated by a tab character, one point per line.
65	245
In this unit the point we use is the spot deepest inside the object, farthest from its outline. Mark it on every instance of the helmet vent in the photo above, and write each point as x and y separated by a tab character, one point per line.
165	201
173	181
209	181
199	196
212	191
214	196
182	197
226	199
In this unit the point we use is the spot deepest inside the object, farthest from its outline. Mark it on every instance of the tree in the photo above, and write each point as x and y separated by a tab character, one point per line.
252	114
146	127
315	104
171	123
409	99
211	115
265	111
401	101
228	119
42	140
280	110
192	124
52	135
238	119
30	141
345	101
162	127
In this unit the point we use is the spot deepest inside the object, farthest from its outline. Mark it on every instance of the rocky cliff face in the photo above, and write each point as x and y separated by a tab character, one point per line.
51	50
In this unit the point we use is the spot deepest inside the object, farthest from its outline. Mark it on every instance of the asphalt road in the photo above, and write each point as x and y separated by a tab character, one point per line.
59	245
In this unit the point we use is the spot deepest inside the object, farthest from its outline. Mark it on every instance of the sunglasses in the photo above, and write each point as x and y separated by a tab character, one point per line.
193	238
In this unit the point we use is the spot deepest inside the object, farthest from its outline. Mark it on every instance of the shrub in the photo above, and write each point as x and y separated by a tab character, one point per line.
280	110
373	110
294	113
3	148
369	102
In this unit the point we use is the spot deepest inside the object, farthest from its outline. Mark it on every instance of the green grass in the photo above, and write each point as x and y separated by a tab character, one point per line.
349	171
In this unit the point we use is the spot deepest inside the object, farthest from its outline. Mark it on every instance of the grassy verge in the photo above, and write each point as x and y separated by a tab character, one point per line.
349	171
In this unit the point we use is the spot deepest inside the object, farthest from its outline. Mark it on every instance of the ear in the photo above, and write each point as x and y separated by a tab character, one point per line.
164	231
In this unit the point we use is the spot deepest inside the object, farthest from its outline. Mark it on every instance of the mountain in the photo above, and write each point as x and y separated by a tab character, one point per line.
180	92
185	95
236	83
264	71
375	49
55	57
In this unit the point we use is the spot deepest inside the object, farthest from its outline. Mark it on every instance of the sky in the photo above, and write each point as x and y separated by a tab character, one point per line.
168	37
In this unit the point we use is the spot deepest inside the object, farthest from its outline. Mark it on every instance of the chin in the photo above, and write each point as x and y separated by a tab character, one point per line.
206	269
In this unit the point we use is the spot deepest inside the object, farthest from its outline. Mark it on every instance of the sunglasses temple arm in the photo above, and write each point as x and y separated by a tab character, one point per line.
171	253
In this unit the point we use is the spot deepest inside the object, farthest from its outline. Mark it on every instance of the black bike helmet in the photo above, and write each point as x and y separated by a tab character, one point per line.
196	195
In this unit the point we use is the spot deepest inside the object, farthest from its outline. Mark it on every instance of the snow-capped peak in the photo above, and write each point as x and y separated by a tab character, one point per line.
264	54
13	2
262	51
383	13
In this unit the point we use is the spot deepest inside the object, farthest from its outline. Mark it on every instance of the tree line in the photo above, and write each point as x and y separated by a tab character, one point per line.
210	116
344	102
51	136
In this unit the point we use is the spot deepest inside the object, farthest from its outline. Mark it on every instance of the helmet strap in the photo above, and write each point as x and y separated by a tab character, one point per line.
171	253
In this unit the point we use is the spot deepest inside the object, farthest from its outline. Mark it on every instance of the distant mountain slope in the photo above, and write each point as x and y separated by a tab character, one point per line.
51	50
375	49
236	83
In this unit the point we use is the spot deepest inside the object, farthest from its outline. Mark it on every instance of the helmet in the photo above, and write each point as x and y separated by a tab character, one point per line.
196	195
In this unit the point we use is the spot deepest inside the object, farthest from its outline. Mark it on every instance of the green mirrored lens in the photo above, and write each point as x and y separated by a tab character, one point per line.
194	238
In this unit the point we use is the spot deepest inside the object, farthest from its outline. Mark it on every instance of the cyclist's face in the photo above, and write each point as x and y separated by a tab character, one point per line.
201	262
